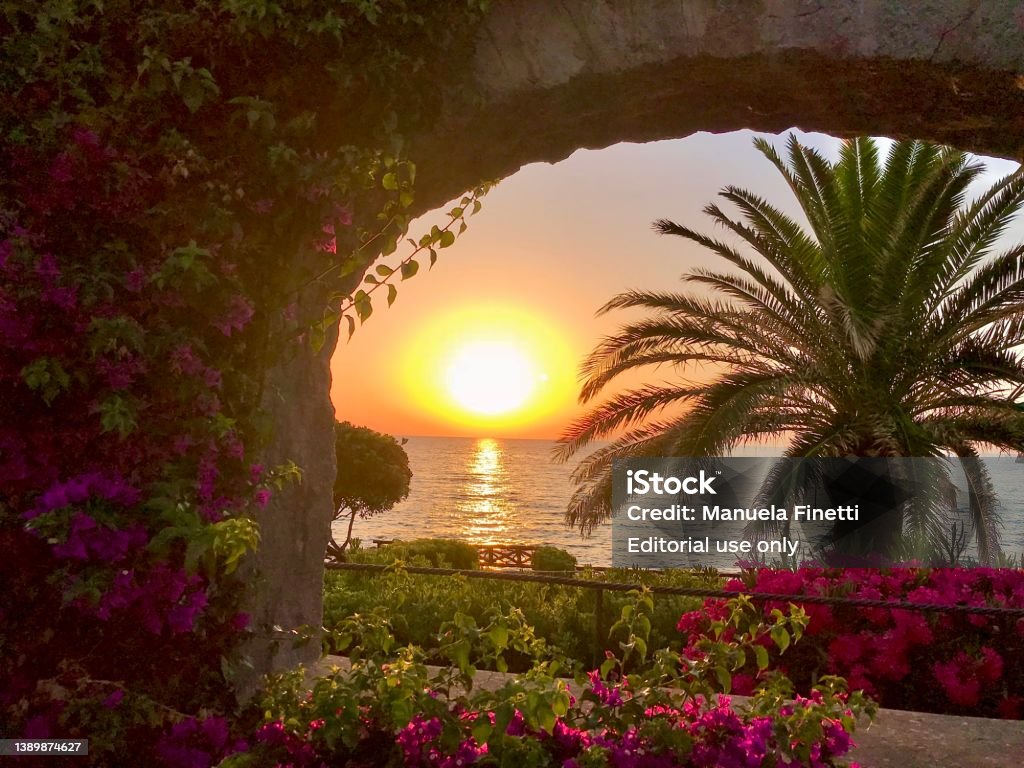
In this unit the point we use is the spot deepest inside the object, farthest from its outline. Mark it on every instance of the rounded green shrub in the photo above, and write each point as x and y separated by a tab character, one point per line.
438	553
553	559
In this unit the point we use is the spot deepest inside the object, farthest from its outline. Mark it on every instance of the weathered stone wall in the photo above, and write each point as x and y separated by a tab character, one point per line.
286	574
551	77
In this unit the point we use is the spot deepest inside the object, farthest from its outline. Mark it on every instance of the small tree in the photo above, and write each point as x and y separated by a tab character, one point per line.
373	476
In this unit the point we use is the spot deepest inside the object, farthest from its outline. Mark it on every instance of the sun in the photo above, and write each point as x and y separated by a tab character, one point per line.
491	377
488	369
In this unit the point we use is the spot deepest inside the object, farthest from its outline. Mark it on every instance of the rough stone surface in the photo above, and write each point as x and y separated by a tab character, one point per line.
896	739
549	78
287	572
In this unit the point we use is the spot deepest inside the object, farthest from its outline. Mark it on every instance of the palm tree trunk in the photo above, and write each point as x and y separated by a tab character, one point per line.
870	484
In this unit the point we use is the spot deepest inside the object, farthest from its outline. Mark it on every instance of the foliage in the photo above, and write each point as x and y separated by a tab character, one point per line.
390	710
350	306
890	327
373	475
947	662
173	181
553	559
428	553
416	607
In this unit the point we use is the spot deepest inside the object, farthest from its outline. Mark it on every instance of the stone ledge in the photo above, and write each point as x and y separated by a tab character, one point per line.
896	739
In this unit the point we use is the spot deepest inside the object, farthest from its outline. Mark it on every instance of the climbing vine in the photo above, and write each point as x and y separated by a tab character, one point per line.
173	177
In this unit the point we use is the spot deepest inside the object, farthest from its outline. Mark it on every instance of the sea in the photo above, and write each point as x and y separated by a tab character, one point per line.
507	491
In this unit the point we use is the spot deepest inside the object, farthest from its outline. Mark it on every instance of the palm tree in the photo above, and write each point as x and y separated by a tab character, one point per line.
887	327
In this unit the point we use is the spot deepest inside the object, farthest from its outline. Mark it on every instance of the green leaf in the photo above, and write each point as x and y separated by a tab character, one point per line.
781	638
724	678
363	306
761	654
503	715
499	636
482	729
606	667
193	96
560	704
195	552
640	645
46	376
239	760
546	719
410	268
447	239
392	294
384	270
433	258
117	414
389	182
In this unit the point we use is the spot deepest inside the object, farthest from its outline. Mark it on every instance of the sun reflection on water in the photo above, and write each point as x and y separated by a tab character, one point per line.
482	499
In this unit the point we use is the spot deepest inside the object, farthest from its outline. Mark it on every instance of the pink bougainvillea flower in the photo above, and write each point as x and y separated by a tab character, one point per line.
956	677
239	312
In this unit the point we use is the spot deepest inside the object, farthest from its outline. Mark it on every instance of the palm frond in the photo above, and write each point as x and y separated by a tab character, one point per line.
884	328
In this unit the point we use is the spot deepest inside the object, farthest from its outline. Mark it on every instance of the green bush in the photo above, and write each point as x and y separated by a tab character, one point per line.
418	605
440	553
425	553
390	709
553	559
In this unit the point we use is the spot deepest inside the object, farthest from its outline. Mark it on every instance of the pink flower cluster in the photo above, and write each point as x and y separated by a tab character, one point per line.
418	741
946	661
720	738
88	540
92	485
158	598
195	743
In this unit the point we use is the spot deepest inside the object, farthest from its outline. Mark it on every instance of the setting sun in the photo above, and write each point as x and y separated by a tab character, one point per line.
491	377
485	367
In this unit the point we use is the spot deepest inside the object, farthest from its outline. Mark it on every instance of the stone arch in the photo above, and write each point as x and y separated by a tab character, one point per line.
548	77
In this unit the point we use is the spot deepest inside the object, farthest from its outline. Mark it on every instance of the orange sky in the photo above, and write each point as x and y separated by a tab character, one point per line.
551	244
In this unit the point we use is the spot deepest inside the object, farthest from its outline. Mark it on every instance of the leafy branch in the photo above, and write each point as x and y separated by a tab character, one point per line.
360	304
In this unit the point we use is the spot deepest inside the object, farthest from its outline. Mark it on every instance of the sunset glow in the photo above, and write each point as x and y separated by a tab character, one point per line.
489	368
491	377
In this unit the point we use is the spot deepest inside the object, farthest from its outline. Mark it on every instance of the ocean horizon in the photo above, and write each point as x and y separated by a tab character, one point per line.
509	491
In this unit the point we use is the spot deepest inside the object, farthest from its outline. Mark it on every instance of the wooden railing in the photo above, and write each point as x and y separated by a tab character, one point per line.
506	556
494	555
